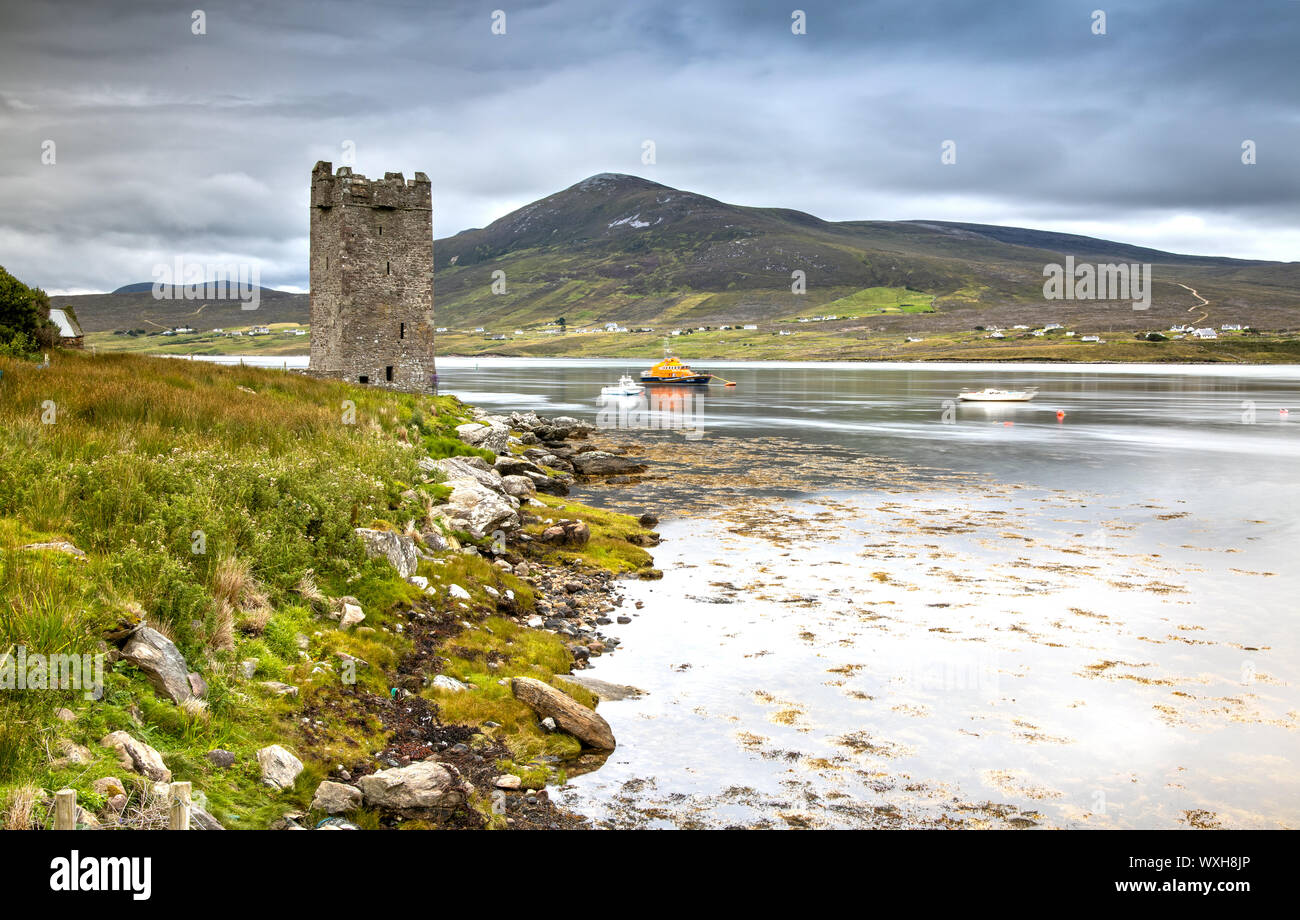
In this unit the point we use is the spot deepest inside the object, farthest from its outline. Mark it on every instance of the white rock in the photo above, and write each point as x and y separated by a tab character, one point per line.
413	791
443	682
458	592
336	798
478	509
279	767
352	615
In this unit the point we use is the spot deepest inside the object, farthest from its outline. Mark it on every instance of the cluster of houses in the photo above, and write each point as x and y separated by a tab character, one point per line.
1204	332
996	333
751	326
612	327
1177	332
255	330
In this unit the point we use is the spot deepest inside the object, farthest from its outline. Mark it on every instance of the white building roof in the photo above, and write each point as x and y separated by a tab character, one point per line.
67	328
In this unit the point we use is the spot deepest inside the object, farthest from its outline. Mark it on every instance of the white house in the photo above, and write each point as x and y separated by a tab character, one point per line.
1230	327
70	333
750	326
1090	338
1205	333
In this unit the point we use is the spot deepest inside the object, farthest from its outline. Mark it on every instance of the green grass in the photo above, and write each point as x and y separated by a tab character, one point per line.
871	301
608	548
206	499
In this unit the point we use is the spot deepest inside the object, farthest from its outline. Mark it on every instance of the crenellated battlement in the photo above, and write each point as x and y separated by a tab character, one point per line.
345	188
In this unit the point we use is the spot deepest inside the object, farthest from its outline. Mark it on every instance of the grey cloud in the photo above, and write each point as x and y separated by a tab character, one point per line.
170	143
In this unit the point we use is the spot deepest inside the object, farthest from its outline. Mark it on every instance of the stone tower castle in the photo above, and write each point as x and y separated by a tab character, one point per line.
372	279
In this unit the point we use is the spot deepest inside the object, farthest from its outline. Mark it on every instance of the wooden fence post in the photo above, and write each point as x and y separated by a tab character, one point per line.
65	810
180	809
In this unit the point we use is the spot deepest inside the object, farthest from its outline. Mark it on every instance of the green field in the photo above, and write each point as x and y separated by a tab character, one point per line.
281	341
872	301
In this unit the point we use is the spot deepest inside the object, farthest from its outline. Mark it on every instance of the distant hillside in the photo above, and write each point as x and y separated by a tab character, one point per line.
144	287
621	248
618	248
108	312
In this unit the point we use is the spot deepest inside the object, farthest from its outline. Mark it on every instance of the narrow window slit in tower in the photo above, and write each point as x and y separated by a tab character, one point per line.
402	333
388	372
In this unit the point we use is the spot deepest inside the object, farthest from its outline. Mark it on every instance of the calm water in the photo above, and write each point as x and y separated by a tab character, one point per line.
881	608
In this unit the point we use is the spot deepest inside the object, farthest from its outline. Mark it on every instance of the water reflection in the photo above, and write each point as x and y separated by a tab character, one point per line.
658	408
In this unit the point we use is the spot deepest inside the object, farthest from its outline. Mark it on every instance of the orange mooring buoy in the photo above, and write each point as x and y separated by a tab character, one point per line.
1060	415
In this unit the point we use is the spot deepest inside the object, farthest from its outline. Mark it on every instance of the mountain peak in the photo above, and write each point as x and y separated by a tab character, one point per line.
613	182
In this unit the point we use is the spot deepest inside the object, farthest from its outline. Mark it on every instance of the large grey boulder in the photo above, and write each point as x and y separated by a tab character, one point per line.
279	767
398	549
549	485
161	661
336	798
420	790
478	510
519	486
511	465
600	463
493	436
570	715
137	756
526	420
472	467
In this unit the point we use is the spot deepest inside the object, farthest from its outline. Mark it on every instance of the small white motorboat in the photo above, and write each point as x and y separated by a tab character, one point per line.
992	394
626	387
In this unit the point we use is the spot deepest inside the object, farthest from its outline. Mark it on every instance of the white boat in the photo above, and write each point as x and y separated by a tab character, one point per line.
992	394
626	387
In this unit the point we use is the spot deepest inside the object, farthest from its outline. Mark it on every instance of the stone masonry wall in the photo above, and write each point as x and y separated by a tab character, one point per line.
372	278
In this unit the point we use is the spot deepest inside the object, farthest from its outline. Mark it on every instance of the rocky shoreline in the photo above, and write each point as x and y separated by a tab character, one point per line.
430	768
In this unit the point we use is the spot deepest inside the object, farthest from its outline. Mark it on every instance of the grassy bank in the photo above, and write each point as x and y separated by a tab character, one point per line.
218	504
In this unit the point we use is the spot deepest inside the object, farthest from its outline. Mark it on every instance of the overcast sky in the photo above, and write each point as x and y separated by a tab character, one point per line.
169	143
